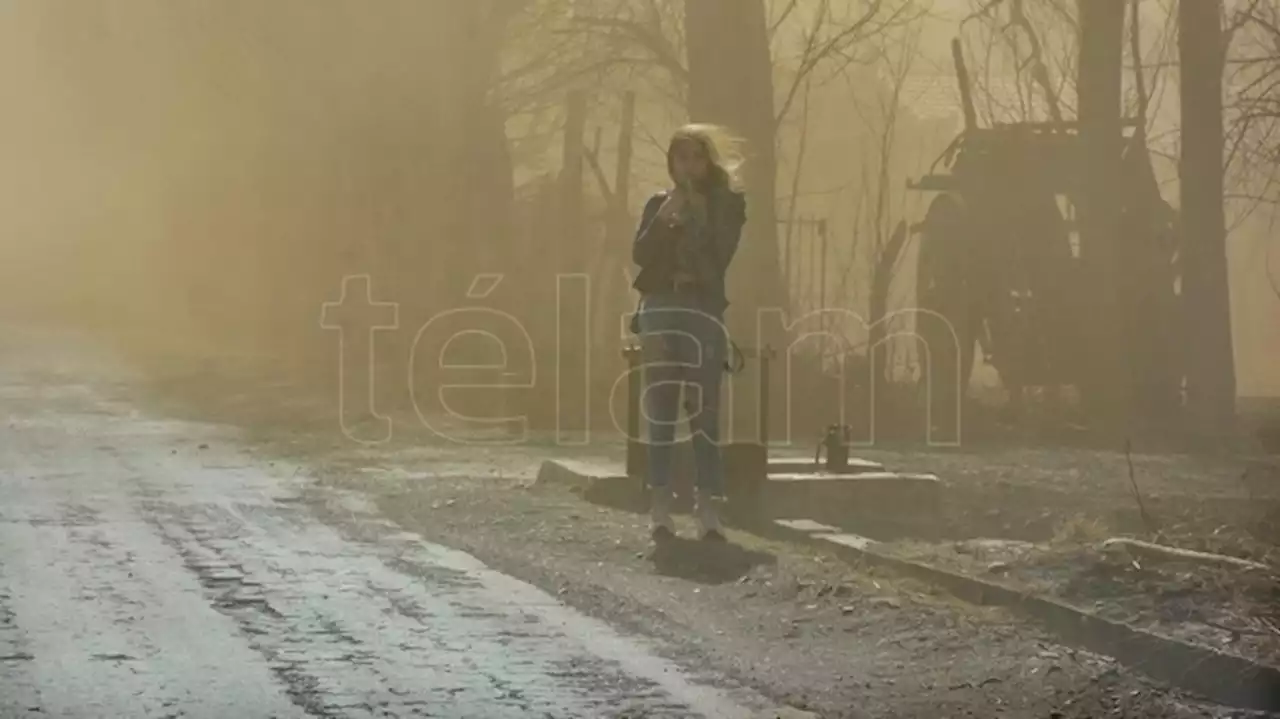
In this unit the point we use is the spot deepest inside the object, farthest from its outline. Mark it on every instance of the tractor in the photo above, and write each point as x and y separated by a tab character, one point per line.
999	263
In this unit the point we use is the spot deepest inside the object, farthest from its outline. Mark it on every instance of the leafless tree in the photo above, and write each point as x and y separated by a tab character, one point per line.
810	40
832	38
721	62
1252	68
882	220
1252	74
1202	44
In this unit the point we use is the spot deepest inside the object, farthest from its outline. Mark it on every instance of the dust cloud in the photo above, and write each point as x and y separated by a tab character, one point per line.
193	171
199	174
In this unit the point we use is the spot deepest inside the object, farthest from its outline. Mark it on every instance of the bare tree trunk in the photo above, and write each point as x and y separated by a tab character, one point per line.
731	83
479	203
1206	297
1107	387
618	215
574	257
571	338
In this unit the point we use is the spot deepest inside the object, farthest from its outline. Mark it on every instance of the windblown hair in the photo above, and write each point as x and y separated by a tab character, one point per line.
723	148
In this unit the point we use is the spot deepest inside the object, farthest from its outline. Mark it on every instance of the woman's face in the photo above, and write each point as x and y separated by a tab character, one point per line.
689	161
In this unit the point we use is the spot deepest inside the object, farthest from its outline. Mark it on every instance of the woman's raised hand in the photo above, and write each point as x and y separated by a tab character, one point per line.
672	207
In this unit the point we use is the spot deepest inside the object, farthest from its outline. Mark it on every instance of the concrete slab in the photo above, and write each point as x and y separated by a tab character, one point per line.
855	541
862	477
807	525
783	465
879	502
742	457
578	473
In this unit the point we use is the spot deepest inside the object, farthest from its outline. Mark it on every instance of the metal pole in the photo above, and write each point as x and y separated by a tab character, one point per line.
812	263
786	269
764	357
822	293
635	453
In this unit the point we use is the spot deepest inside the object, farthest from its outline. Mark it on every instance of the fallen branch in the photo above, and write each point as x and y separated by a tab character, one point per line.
1149	550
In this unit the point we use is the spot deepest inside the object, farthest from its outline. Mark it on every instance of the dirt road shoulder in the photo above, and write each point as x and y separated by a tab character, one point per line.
798	625
801	627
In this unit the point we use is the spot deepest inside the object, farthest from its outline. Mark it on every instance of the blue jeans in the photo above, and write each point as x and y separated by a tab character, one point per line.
684	347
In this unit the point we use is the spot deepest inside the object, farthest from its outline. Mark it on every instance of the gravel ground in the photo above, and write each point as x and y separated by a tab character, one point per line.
801	627
1058	506
1222	608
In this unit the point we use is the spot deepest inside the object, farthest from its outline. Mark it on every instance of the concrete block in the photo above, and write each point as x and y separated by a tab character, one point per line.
807	525
857	479
855	541
885	500
793	465
577	474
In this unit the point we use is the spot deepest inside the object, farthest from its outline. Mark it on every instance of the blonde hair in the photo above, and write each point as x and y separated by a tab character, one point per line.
723	148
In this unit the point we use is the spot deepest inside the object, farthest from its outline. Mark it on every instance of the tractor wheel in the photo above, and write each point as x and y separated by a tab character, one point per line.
1032	320
947	319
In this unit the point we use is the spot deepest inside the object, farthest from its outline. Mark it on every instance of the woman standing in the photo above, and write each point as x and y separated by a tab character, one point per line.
687	237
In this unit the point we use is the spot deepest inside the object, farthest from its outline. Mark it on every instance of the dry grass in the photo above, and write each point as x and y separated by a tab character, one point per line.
1081	529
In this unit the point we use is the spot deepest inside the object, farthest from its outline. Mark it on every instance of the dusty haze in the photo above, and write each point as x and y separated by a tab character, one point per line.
195	170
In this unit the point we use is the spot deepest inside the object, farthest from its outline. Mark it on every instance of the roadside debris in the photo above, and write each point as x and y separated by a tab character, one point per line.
1159	552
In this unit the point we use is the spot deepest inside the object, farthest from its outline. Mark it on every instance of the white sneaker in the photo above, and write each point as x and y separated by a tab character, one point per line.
707	513
660	512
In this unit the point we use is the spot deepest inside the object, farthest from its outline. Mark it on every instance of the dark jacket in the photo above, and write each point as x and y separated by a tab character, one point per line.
710	246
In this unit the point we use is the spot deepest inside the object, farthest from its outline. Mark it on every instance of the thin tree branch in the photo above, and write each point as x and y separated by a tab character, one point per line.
663	54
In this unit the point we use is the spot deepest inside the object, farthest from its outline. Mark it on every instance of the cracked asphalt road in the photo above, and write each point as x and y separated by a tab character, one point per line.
150	569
